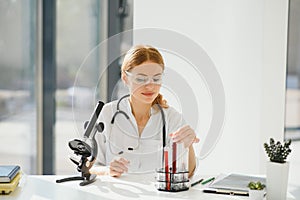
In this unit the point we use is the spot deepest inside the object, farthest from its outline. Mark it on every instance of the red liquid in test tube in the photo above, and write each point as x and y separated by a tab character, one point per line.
168	183
174	152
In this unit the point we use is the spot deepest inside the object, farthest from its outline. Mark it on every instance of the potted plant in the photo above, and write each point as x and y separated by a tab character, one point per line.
256	190
277	169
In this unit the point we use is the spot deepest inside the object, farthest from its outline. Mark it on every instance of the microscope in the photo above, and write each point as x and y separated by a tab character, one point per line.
86	148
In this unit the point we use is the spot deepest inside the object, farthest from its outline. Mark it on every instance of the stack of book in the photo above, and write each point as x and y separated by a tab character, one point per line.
10	176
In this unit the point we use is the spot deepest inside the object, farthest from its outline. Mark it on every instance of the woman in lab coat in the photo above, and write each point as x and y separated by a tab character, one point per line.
134	125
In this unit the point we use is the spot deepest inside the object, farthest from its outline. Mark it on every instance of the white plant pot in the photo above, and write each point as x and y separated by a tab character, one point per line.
277	180
256	194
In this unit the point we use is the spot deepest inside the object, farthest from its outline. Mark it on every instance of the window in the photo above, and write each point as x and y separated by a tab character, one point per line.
78	32
292	121
17	84
80	26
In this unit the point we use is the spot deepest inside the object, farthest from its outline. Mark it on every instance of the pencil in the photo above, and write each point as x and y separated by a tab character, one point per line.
208	180
197	182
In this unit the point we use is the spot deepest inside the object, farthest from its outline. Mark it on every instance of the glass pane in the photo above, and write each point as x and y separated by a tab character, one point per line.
17	80
292	116
292	121
77	34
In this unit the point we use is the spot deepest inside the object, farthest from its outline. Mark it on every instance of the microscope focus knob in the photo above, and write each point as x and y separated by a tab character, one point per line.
100	127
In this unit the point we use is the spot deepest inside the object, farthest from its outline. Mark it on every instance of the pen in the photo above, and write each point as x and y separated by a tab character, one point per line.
208	180
197	182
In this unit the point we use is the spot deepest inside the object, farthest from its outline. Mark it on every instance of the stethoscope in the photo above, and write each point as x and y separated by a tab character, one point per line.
119	111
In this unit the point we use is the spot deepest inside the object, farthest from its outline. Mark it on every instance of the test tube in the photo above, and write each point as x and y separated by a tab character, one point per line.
173	174
167	173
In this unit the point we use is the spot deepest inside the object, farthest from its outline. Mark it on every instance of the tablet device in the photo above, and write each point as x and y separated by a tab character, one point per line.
233	184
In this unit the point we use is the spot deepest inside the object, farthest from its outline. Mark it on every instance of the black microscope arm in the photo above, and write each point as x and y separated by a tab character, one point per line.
91	128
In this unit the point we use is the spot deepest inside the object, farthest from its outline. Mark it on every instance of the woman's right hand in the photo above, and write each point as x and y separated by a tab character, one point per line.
118	166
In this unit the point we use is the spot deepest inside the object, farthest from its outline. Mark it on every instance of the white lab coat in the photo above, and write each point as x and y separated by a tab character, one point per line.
122	136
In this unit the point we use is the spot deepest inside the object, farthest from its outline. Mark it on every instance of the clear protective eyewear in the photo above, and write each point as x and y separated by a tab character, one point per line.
141	79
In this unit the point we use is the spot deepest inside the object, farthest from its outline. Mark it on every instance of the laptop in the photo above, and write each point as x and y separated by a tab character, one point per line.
233	184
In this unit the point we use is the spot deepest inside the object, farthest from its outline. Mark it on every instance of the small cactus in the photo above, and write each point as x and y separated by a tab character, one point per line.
278	152
256	185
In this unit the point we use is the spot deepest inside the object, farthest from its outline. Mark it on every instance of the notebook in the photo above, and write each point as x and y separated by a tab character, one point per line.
8	172
233	184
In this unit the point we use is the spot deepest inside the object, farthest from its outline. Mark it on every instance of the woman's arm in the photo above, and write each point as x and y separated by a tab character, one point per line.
116	168
187	136
192	161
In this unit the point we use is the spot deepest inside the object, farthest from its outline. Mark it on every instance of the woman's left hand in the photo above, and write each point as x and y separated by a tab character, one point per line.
185	135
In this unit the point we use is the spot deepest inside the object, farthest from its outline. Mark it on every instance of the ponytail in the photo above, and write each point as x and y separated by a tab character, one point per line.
159	100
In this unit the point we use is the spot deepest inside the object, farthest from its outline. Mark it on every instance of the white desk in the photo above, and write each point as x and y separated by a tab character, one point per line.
131	187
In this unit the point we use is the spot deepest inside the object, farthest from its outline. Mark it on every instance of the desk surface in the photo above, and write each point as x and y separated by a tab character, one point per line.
105	187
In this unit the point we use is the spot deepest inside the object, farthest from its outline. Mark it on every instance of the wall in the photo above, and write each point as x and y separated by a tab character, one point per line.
235	35
274	71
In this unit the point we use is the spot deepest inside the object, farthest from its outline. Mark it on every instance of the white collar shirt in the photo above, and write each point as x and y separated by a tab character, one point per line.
122	139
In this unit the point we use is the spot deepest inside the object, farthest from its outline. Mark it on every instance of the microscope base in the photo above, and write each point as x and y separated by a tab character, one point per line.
85	180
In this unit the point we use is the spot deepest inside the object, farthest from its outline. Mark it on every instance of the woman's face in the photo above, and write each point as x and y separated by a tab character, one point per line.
144	81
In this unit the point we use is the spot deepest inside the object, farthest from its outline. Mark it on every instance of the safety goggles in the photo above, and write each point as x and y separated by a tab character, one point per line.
141	79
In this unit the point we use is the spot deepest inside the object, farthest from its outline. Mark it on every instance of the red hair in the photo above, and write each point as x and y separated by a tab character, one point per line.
140	54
